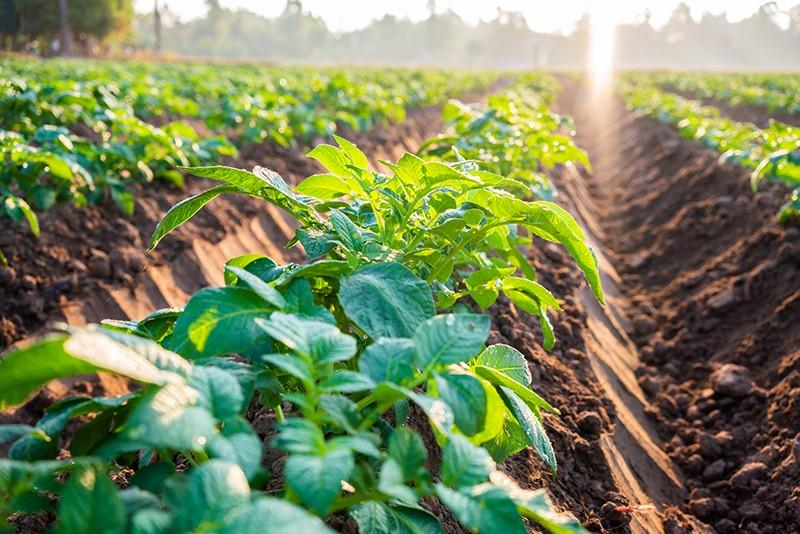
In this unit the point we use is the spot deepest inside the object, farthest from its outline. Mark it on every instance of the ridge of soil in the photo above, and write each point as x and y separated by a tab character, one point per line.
710	288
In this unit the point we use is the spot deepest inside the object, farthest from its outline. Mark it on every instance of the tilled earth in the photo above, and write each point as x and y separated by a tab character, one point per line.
713	283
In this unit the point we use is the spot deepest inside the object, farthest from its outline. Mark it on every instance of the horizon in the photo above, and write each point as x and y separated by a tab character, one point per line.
361	13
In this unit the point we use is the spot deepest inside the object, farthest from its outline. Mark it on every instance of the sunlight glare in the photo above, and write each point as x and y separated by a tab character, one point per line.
601	46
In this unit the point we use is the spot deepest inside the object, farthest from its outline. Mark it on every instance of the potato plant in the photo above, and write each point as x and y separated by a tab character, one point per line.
515	134
771	154
345	349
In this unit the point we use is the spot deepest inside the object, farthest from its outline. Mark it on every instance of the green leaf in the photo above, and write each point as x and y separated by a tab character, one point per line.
241	179
246	261
353	152
259	287
15	431
266	513
347	382
525	393
321	341
453	338
484	509
379	518
388	360
169	417
292	365
348	233
332	158
510	440
506	360
219	320
90	503
323	186
299	436
24	371
215	490
553	223
464	464
532	426
386	300
317	480
15	203
537	506
464	395
243	449
185	210
408	450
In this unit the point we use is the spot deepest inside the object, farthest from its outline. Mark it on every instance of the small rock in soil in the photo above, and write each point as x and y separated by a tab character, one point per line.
672	525
615	515
28	282
732	380
749	473
714	471
119	261
710	446
590	424
7	276
644	325
725	439
724	526
702	508
752	509
791	233
136	261
694	464
649	385
723	299
99	264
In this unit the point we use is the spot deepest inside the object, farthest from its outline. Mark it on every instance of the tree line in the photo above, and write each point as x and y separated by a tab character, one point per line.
768	40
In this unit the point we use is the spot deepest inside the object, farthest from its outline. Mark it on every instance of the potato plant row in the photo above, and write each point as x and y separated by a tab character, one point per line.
371	356
770	154
772	92
88	137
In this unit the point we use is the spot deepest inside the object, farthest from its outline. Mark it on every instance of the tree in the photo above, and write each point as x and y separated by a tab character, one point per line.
157	25
65	43
87	20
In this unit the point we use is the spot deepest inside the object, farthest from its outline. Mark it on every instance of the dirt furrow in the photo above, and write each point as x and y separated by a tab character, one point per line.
708	292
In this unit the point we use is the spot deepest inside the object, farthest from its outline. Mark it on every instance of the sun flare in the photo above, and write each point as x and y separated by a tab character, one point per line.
601	47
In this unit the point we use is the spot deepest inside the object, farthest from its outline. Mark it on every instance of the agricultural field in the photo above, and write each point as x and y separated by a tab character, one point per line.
249	298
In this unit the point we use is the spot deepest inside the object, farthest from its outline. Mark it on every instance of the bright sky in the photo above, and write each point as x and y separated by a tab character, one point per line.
345	15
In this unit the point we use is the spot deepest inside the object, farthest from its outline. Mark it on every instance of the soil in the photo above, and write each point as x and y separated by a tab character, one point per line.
711	284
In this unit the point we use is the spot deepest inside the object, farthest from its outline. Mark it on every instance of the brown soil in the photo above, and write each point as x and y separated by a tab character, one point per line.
711	287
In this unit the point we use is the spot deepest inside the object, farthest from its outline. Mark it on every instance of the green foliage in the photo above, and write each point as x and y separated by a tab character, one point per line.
88	136
339	348
771	153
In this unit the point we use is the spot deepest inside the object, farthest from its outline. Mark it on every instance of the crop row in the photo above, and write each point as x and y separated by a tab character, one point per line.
773	92
771	153
87	137
350	353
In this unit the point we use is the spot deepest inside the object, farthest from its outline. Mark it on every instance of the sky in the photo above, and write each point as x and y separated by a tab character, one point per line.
347	15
